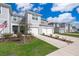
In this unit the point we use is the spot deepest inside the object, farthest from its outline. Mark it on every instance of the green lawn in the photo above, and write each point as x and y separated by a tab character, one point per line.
35	48
72	34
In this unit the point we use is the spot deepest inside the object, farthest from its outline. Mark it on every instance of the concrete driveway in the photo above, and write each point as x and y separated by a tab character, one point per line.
65	49
52	41
71	50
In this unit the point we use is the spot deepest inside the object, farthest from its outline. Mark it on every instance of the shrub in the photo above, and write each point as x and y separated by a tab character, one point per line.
43	34
62	38
29	34
19	35
56	37
7	35
50	35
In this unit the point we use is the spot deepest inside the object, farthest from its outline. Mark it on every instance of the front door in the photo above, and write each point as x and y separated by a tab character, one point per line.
15	29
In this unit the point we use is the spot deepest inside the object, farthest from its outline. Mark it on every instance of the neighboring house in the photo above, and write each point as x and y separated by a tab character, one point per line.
43	22
62	27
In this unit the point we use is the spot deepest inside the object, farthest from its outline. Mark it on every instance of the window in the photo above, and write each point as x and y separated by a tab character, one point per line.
62	25
35	18
33	14
50	23
14	19
0	9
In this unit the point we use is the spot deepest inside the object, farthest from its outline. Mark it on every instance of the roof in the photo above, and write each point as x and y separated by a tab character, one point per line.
31	12
17	15
58	22
4	5
7	6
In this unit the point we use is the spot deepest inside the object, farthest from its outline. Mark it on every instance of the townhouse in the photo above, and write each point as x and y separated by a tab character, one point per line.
13	23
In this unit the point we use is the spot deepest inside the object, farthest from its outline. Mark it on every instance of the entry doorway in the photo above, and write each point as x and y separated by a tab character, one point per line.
22	29
15	29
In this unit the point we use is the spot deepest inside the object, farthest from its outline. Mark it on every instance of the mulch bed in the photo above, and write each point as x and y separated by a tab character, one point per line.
9	39
28	38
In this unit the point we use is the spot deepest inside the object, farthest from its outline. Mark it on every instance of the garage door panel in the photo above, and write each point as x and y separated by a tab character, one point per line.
49	31
44	31
34	31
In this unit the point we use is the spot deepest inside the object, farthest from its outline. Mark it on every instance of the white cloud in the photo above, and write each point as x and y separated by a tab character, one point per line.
24	6
50	19
20	13
64	6
65	17
78	9
38	9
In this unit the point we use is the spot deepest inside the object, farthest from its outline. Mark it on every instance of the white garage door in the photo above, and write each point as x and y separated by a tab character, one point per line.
44	31
49	31
34	31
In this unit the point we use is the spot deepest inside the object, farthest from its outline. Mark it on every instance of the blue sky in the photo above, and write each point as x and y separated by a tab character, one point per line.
50	11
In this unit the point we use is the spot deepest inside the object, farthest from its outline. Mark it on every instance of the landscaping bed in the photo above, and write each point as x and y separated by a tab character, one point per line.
34	47
59	38
9	37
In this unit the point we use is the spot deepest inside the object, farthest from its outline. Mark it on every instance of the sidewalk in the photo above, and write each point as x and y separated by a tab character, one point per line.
55	42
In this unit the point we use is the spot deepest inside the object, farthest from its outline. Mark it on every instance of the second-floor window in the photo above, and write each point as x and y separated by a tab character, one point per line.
62	25
14	19
35	18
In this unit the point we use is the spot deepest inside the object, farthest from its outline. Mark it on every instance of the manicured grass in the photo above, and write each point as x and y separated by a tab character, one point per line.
35	48
72	34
